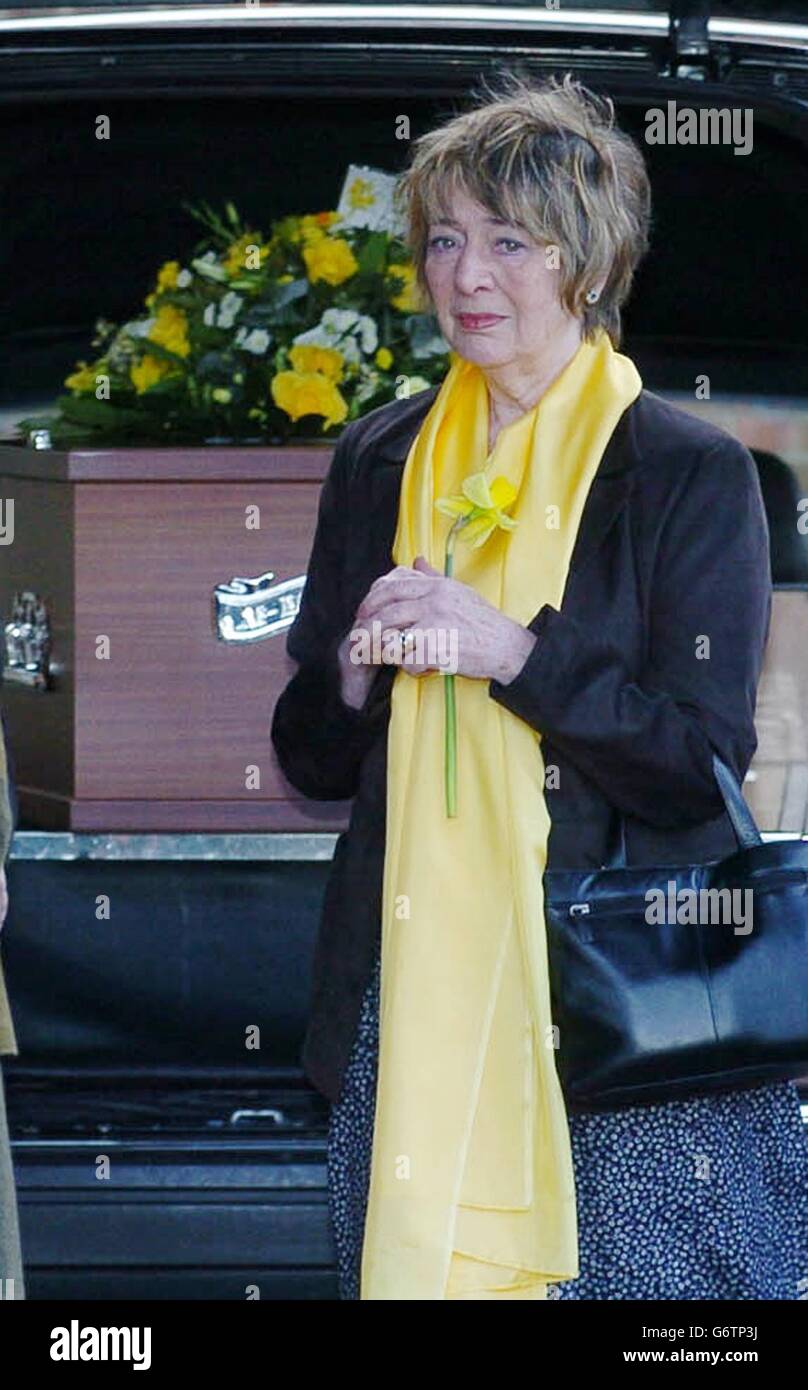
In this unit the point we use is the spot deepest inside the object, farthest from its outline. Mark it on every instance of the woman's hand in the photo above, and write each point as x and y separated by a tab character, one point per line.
356	678
485	642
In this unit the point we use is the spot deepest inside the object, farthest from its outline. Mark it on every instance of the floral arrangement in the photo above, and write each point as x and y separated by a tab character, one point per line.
261	339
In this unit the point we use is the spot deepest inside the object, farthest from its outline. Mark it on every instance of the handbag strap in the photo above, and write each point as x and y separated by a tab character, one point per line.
743	822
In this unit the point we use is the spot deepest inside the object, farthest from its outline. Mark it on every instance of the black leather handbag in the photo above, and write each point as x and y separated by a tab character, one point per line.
668	982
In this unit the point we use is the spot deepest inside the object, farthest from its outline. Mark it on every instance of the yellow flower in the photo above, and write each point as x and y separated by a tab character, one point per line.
405	298
383	358
148	371
308	357
167	275
235	258
83	378
482	505
285	279
308	393
170	330
330	259
308	228
166	280
314	225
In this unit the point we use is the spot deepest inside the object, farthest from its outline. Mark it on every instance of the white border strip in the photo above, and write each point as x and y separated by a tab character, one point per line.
275	16
493	16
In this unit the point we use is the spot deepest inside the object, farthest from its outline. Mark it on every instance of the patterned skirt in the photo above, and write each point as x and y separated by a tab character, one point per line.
691	1199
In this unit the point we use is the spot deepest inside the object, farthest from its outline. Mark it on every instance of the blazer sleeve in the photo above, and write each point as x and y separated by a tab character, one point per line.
318	739
647	743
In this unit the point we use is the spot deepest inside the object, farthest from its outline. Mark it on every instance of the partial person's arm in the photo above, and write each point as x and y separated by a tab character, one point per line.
7	820
648	744
319	739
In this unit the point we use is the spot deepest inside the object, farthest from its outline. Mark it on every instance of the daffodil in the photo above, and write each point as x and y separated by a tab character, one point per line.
478	511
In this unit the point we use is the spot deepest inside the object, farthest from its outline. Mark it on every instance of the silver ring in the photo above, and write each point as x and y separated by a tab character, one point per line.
407	636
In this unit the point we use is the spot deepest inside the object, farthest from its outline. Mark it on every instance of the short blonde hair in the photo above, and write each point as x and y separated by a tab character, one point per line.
548	157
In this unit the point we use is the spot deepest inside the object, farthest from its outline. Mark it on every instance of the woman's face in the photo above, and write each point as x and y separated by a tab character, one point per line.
496	300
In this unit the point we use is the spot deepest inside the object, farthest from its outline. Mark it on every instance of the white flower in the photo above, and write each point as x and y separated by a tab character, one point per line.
119	354
340	329
366	200
254	340
209	316
229	306
426	341
184	279
120	351
138	328
367	387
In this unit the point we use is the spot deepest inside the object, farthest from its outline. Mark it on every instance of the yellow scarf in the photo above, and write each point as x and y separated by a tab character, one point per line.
472	1189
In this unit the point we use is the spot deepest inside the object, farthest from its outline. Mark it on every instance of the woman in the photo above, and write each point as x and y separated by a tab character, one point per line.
634	541
10	1254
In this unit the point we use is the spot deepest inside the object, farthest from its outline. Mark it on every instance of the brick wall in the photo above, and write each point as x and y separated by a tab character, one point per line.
780	427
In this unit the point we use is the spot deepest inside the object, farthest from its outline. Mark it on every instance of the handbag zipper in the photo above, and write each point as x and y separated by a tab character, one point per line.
621	905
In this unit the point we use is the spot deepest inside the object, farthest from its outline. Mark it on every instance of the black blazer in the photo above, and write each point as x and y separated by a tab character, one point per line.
652	661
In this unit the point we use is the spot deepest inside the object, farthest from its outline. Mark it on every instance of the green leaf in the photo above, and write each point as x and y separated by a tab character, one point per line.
86	410
163	353
372	257
210	270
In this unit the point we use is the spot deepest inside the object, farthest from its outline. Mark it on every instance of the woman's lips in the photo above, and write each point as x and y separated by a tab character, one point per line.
472	321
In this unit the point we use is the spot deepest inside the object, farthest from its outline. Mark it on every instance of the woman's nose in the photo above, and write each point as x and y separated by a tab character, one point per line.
472	271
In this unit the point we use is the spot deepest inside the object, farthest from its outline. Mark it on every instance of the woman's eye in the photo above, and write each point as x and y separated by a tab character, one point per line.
440	243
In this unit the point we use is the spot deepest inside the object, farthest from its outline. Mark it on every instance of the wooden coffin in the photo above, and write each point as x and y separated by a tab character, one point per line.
140	672
138	554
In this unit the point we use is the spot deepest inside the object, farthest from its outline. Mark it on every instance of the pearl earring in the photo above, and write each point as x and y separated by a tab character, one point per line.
592	296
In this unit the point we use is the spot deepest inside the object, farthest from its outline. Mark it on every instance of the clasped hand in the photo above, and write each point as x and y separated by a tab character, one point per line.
485	642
